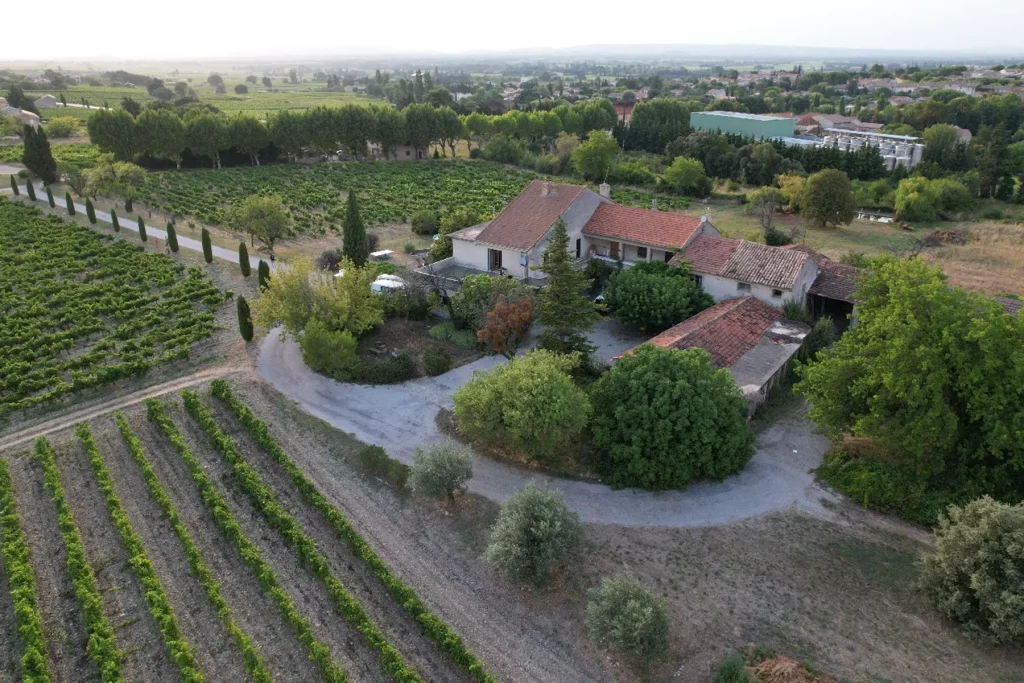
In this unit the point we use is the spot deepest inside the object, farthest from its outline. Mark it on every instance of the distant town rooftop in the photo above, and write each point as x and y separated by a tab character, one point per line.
886	136
743	115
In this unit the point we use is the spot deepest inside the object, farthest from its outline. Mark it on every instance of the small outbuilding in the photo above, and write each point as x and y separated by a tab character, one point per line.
46	102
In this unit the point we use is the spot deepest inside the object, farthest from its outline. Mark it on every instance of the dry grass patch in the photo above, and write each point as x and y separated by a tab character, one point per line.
992	261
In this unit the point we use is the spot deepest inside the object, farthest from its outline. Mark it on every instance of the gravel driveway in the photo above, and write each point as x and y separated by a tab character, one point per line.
399	417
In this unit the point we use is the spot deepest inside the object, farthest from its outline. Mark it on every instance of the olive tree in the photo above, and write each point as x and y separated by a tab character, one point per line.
627	615
440	470
533	536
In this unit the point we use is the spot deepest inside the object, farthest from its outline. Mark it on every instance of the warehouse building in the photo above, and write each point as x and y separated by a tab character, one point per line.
758	126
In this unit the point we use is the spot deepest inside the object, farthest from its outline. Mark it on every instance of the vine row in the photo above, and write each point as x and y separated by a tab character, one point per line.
35	667
438	630
253	661
102	647
266	503
318	652
152	589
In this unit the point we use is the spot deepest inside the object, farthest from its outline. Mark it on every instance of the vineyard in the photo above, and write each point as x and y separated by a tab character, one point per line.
388	191
181	542
77	154
82	310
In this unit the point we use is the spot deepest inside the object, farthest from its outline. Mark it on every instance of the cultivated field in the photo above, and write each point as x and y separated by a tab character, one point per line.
195	549
314	193
82	310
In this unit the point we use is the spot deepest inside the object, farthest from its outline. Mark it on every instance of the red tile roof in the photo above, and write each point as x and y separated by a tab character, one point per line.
744	261
663	229
1011	306
835	280
726	330
707	254
528	217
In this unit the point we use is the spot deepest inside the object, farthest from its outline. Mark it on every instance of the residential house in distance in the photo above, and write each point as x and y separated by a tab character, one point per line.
751	339
26	117
46	102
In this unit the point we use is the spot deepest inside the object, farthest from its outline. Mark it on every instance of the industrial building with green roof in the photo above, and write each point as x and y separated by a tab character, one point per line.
756	126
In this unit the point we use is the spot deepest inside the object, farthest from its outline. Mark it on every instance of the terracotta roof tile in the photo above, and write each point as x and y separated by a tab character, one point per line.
527	218
744	261
707	254
663	229
1011	306
726	330
835	281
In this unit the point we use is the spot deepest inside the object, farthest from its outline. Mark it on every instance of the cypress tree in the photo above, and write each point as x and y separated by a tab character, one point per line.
355	246
128	205
142	230
243	259
38	157
70	204
172	237
207	247
263	271
30	190
90	212
244	319
114	221
14	186
49	198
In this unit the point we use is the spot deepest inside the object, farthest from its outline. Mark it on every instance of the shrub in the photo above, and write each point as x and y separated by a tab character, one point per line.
244	319
821	336
387	371
686	176
508	325
776	238
448	332
409	248
733	669
504	149
654	296
533	536
207	245
436	361
796	311
331	352
625	614
372	241
172	237
329	260
114	221
90	211
530	403
263	274
976	574
14	186
373	459
631	173
440	470
49	198
663	418
478	295
142	230
425	222
243	260
30	189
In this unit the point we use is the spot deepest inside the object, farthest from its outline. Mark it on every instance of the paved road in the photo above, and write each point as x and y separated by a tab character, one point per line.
400	417
130	223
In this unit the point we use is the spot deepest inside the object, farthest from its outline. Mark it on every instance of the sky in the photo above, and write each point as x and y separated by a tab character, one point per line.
201	29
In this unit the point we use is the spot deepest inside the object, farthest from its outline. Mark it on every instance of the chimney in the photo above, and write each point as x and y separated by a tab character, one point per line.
654	203
606	190
545	189
704	219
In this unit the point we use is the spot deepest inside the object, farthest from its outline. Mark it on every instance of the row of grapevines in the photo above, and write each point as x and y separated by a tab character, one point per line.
265	502
21	580
102	647
152	589
318	652
446	638
253	661
82	310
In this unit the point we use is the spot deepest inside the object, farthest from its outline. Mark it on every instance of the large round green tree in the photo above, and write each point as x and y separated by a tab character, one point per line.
664	417
828	198
655	296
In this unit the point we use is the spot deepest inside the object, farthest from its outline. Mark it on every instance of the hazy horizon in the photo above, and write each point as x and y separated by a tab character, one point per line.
260	30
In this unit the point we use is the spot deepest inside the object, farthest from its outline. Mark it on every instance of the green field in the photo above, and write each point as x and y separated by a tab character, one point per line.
389	191
258	101
78	154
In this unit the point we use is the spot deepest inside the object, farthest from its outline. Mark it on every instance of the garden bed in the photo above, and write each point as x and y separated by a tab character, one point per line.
411	336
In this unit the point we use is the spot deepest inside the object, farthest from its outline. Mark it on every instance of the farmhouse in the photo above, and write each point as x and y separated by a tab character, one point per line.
753	340
513	242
